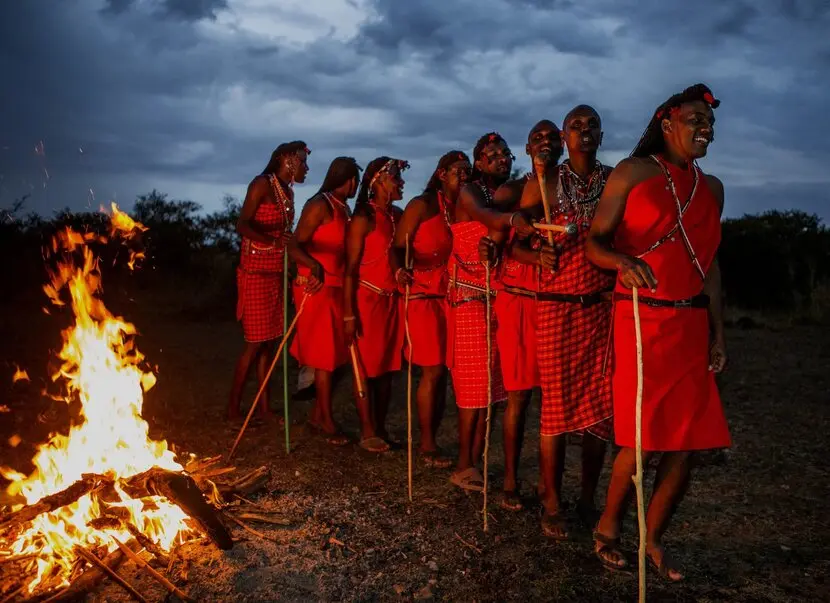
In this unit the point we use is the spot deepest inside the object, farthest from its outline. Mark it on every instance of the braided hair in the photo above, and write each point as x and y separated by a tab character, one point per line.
286	148
652	141
341	170
434	184
490	137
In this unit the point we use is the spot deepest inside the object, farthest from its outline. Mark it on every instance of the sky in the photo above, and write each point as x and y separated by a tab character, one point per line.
104	100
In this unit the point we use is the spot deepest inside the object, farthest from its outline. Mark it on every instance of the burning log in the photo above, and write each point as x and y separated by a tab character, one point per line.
153	573
50	503
180	489
111	573
86	582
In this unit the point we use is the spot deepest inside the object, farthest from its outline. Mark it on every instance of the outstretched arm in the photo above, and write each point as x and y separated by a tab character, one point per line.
633	272
471	203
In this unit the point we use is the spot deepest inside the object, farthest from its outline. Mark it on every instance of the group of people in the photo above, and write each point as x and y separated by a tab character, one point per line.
561	252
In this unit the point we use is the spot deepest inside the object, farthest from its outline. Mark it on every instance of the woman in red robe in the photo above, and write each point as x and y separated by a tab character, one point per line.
658	225
265	225
427	228
370	303
473	218
319	248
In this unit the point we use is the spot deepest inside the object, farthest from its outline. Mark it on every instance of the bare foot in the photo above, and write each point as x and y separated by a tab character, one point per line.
663	562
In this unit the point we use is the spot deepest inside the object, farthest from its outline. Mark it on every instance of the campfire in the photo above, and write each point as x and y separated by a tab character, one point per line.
106	491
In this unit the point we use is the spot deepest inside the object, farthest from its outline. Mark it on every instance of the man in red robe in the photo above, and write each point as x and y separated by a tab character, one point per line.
658	226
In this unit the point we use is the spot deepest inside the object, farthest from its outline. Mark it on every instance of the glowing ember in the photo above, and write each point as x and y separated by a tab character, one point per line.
101	368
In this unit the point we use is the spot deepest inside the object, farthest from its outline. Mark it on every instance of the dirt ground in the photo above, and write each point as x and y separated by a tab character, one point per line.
751	528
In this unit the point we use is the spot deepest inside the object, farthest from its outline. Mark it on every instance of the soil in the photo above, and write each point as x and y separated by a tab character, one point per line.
750	529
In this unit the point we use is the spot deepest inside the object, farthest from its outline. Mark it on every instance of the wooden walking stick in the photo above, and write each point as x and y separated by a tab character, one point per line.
285	358
264	383
408	375
489	385
638	476
361	389
543	189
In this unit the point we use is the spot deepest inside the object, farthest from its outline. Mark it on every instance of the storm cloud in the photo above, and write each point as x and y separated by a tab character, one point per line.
108	99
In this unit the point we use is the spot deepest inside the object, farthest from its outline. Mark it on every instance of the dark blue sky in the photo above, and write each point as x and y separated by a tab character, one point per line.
107	99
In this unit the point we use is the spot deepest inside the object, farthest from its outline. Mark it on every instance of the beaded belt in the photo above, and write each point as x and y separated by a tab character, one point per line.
698	301
425	296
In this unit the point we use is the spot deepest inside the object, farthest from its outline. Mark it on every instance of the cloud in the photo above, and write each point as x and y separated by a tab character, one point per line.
191	96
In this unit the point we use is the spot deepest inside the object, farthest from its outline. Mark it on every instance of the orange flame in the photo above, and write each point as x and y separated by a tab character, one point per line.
102	368
20	375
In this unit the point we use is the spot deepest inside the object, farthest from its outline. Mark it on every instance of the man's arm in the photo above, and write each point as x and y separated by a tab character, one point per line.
245	226
712	288
314	211
599	249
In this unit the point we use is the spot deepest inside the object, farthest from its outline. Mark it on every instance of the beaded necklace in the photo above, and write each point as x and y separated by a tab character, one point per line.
577	196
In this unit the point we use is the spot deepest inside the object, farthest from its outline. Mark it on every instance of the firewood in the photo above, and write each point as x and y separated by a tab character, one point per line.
198	465
52	502
83	585
153	573
248	484
181	490
111	573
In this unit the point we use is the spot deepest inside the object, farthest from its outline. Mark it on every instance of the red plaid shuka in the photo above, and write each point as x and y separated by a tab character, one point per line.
259	278
467	324
572	342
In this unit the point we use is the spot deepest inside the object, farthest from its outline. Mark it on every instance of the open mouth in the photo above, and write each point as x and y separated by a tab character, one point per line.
587	139
702	140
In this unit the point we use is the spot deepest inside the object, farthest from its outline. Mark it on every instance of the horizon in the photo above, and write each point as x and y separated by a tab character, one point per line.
115	98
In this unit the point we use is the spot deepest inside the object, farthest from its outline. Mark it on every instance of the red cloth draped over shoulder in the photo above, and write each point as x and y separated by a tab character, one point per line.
682	409
515	308
381	341
259	277
467	324
431	249
319	341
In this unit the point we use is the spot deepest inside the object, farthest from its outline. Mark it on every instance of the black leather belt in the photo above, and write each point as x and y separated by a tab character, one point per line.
698	301
519	291
587	299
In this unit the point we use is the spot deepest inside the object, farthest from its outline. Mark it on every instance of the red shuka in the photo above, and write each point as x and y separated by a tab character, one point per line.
379	345
467	324
515	308
319	341
572	340
431	248
260	273
682	409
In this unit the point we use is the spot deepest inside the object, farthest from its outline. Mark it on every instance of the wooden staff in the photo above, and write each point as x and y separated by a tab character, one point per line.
489	385
543	188
361	390
638	476
285	358
569	229
264	383
408	375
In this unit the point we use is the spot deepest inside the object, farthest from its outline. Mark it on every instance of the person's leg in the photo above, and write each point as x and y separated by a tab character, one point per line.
240	375
264	359
670	485
381	396
593	459
620	489
552	467
513	429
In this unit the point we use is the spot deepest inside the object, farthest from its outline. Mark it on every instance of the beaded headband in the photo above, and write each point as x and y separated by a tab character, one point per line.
670	112
401	164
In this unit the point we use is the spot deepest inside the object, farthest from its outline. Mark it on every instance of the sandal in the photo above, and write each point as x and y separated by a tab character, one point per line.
511	501
374	444
554	525
434	458
469	479
603	546
667	565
